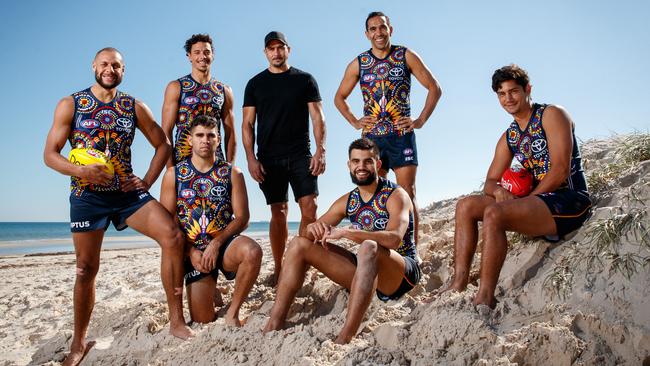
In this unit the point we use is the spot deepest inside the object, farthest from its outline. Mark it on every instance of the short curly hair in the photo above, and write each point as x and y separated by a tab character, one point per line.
196	38
510	72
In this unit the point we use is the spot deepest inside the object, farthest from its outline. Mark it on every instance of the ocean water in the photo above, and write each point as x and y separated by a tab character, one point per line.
17	238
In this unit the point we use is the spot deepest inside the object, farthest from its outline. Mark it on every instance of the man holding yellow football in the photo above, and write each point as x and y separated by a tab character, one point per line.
102	120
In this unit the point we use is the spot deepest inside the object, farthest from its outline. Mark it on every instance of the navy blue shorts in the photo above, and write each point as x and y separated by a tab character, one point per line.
396	151
96	210
192	274
411	278
282	172
569	208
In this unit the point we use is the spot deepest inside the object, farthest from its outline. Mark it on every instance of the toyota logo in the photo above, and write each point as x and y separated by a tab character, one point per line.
538	145
218	191
396	71
124	122
381	223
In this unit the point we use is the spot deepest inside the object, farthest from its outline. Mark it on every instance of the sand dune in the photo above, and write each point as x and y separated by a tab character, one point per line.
584	301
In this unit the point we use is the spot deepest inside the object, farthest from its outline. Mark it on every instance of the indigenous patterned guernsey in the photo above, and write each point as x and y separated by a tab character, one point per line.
373	215
530	148
107	127
386	88
203	201
196	99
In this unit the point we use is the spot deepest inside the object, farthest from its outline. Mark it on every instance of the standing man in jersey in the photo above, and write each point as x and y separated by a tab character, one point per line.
384	74
104	118
198	94
382	224
542	139
281	99
208	197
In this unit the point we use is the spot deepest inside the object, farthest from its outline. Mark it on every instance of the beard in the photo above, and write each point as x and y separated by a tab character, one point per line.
98	79
370	179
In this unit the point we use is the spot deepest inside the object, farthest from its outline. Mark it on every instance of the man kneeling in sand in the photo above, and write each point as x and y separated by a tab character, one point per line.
210	202
541	138
382	223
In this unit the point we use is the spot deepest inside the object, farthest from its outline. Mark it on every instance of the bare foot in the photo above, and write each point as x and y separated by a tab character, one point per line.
232	321
272	325
437	292
181	331
77	355
341	339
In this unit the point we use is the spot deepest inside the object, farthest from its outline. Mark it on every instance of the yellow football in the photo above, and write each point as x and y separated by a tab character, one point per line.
81	156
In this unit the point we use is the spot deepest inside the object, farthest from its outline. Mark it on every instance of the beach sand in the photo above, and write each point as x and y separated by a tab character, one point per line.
602	317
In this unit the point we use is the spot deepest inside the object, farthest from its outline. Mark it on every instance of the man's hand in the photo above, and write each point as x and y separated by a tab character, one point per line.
501	194
333	234
256	170
319	230
210	253
132	183
317	163
408	124
96	174
365	123
196	257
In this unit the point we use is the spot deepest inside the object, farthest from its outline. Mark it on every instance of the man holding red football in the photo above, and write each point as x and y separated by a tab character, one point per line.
558	204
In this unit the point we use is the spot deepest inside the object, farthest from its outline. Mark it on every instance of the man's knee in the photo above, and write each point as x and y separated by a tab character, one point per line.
298	246
86	272
493	216
279	211
468	207
308	208
368	250
253	254
171	238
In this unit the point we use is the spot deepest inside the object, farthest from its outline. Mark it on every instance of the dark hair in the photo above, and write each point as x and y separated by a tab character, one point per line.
113	49
377	14
510	72
363	144
196	38
205	121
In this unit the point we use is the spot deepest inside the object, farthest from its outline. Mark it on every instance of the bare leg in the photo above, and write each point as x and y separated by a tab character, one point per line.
469	211
308	209
371	257
87	248
405	177
336	263
243	256
278	233
529	216
155	222
200	296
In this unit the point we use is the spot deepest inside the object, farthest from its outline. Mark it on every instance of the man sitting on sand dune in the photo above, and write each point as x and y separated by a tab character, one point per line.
209	199
382	218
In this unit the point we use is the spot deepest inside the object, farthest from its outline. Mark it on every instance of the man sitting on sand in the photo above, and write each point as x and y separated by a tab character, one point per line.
541	138
382	223
210	202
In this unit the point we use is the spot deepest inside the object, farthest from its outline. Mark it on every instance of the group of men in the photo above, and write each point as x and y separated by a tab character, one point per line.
203	205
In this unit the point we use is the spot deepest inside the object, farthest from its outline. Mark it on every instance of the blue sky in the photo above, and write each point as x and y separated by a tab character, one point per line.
591	57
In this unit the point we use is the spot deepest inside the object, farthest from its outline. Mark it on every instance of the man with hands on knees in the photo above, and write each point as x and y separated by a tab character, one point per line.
382	225
208	198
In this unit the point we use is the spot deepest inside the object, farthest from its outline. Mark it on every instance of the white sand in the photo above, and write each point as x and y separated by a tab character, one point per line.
605	318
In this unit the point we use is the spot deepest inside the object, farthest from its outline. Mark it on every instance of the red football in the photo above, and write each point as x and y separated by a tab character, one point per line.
518	181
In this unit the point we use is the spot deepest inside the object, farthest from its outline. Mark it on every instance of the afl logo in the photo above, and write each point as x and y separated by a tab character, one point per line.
188	193
369	77
90	123
396	72
380	223
357	226
124	122
191	100
538	145
218	191
408	151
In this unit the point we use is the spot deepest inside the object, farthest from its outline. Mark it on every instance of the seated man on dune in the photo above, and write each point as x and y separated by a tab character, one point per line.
542	140
210	202
382	224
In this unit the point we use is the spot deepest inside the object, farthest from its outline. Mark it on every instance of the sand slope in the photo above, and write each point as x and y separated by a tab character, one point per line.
558	304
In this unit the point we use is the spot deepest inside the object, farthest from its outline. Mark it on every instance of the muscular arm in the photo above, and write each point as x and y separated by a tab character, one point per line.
350	79
168	191
170	112
228	118
157	139
500	162
434	92
56	139
317	230
317	164
248	138
557	126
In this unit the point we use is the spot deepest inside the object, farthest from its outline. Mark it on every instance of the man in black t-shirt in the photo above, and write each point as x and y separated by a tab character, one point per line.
282	98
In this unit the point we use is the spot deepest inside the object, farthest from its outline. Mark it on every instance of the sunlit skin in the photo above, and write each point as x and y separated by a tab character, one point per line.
108	67
378	33
201	57
277	53
515	100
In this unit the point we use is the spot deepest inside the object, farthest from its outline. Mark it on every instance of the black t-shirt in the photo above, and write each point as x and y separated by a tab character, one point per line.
280	101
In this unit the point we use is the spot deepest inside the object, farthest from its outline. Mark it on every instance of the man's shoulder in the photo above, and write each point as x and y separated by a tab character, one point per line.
294	71
259	76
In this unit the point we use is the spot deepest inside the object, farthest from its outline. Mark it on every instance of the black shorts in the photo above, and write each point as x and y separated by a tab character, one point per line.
96	210
569	208
396	151
281	172
411	278
192	275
